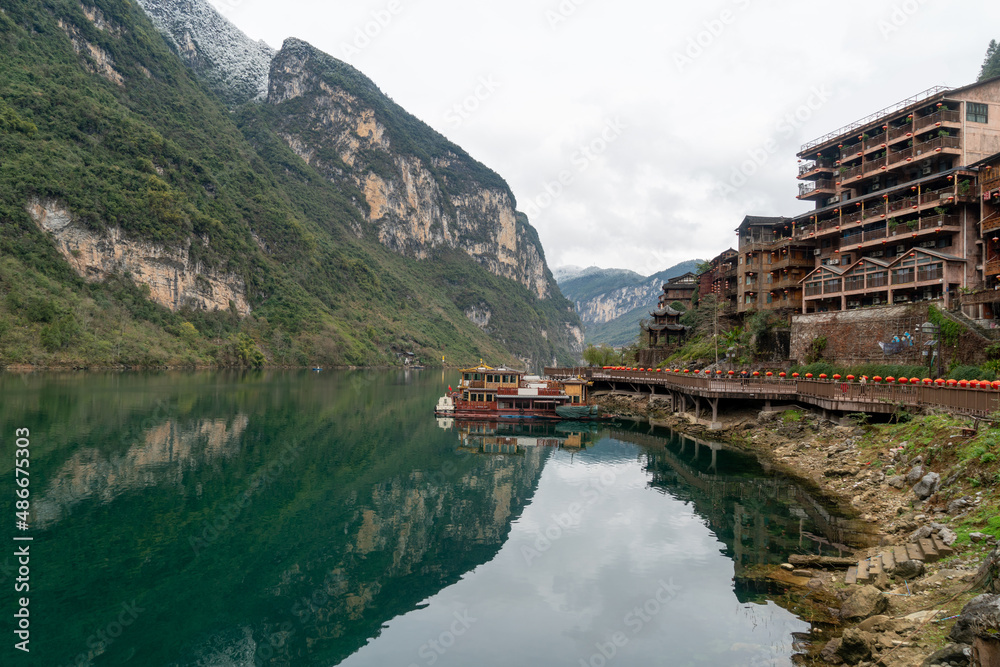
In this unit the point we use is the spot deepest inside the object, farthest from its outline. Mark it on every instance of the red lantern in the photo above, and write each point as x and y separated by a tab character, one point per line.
718	372
732	372
781	374
963	383
822	376
836	376
927	380
808	375
686	370
951	382
795	375
890	379
769	374
902	380
850	378
756	373
877	378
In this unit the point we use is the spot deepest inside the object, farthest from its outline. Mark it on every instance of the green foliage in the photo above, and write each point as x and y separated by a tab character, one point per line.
791	416
164	161
816	349
950	330
966	373
246	352
991	63
605	355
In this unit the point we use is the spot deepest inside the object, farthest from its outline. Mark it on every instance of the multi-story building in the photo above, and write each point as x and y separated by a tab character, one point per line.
680	289
983	301
771	261
719	279
897	208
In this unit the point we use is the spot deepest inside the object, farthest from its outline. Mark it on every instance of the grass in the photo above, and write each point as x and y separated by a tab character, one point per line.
968	465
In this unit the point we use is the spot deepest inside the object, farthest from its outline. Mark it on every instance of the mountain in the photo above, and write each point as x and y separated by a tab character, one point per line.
192	197
611	302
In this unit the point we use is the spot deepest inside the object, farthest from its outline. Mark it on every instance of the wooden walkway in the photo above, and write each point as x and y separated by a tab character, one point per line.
825	394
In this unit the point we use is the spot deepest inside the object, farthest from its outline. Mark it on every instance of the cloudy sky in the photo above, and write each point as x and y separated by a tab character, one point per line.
626	128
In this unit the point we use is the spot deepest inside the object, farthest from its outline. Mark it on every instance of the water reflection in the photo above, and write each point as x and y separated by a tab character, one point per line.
324	518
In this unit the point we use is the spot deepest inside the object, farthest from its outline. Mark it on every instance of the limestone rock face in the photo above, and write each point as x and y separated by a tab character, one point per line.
233	64
416	191
173	279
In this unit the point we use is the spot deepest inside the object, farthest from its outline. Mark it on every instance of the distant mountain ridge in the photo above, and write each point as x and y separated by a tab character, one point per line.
611	302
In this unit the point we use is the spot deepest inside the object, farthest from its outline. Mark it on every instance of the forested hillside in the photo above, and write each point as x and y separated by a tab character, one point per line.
144	222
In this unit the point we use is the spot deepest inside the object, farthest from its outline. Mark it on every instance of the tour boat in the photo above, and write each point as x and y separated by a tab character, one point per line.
503	393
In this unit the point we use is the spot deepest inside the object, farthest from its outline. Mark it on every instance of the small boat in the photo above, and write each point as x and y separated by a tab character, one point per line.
485	392
317	369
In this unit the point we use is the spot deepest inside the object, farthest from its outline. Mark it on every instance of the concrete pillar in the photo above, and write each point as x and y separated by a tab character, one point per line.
767	405
697	407
715	425
714	452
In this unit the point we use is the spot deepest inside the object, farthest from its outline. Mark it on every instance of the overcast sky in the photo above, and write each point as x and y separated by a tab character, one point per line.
623	127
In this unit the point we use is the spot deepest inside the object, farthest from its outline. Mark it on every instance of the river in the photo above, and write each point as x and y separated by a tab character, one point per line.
304	518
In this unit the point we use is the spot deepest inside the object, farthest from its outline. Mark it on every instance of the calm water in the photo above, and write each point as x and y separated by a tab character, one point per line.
297	518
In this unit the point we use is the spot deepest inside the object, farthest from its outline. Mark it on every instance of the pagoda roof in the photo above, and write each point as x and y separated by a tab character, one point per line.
665	311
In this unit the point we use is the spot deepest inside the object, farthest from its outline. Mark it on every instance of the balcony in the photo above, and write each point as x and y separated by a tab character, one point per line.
933	273
902	276
821	188
992	267
815	167
937	145
990	223
936	119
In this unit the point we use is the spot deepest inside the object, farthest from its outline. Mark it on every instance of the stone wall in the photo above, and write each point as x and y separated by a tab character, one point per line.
853	336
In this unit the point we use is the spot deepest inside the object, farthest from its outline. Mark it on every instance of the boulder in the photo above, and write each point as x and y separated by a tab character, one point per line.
921	533
986	651
855	646
977	537
927	486
916	472
979	614
959	505
908	569
952	654
829	652
877	623
863	603
948	536
989	572
897	482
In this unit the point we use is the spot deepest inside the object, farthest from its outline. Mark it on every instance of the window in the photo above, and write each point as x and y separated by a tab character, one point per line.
976	113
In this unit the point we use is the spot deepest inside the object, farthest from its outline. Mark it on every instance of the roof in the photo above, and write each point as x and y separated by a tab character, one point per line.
483	368
666	311
666	327
882	263
750	220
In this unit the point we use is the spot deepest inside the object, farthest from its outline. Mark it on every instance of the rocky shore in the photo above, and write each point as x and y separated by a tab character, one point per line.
910	484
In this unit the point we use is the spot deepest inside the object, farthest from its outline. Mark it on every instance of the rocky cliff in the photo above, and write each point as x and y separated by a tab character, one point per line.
173	279
147	151
420	192
234	65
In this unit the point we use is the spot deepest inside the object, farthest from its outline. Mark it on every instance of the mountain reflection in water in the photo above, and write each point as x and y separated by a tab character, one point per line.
289	518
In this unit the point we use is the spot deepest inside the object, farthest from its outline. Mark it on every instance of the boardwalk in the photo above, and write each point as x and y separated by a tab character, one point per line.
825	394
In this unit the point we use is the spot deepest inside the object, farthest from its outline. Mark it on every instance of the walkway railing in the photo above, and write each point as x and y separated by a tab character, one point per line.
852	396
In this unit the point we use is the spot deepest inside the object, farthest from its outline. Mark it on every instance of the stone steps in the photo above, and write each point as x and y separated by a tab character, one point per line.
928	550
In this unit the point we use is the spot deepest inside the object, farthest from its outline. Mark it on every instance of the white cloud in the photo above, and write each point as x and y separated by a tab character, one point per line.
651	199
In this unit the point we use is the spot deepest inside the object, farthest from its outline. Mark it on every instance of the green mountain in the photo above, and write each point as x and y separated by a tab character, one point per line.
155	216
611	302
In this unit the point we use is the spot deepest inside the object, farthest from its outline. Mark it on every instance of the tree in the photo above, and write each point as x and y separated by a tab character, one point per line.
991	64
605	355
